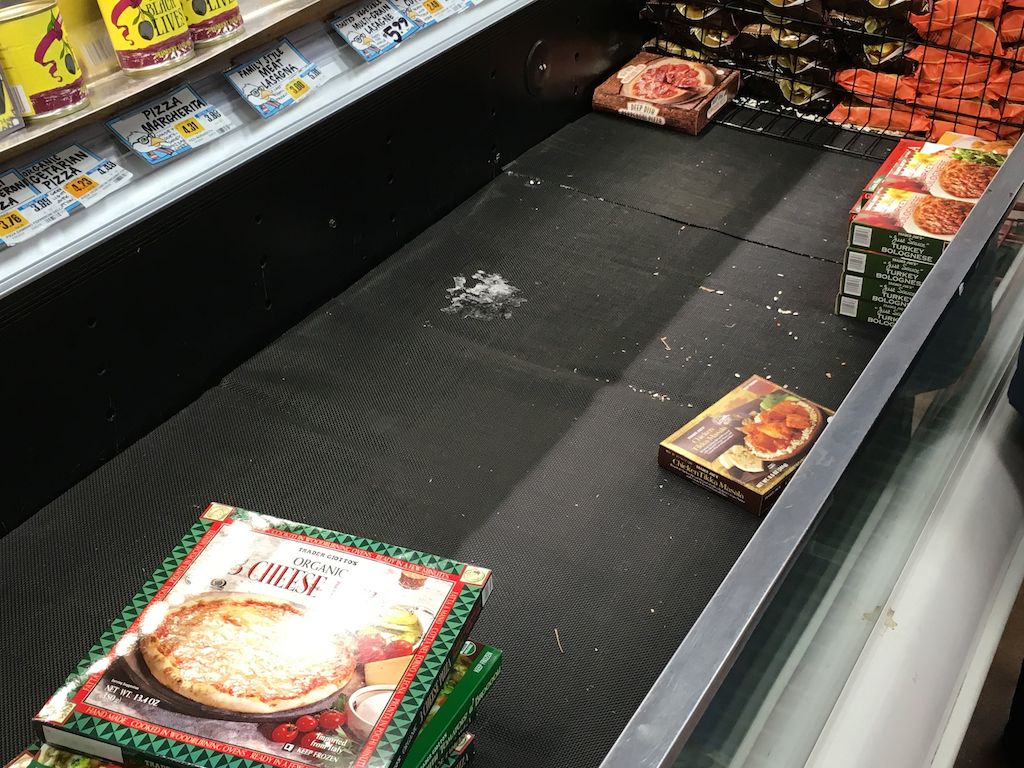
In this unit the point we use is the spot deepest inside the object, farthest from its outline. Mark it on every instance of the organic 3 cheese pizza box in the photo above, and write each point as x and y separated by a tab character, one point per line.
748	444
258	642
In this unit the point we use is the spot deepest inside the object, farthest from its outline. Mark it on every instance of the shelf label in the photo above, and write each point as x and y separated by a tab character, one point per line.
24	211
76	177
275	79
171	126
426	13
374	28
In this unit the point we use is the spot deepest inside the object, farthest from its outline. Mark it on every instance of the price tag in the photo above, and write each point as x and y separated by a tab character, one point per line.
275	79
24	211
426	13
171	126
374	28
76	177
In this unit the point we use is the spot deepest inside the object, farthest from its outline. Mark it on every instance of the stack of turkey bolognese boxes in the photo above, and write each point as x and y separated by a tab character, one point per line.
905	218
262	641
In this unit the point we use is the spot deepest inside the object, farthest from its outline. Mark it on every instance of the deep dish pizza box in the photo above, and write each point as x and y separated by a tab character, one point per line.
669	91
472	676
911	225
866	311
249	646
747	445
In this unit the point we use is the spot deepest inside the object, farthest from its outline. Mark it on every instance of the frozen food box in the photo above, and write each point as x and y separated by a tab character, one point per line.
462	753
880	291
472	676
902	148
748	444
897	222
668	91
878	266
954	173
867	311
250	646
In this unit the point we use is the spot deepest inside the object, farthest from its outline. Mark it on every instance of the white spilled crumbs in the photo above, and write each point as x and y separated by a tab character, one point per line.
782	311
650	393
489	298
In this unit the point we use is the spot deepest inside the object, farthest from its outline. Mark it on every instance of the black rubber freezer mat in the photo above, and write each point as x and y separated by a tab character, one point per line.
519	431
765	190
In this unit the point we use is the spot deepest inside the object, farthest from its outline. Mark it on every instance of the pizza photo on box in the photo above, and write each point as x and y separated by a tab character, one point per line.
275	642
667	90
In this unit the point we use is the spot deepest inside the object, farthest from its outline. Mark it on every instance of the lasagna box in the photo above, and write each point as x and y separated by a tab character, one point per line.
259	641
911	225
669	91
748	444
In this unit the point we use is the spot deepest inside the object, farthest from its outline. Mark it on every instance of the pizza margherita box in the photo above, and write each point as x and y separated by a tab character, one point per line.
250	646
669	91
748	444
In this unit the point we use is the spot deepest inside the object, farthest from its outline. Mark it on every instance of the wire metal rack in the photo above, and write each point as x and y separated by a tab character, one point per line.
854	76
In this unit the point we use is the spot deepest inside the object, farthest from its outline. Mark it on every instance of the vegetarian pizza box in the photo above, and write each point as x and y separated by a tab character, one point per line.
250	645
747	445
892	269
897	222
475	671
868	311
669	91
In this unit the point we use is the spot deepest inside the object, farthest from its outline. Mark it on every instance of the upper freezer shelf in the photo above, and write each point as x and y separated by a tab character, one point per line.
195	103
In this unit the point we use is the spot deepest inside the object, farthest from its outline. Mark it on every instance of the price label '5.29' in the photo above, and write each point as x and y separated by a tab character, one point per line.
189	128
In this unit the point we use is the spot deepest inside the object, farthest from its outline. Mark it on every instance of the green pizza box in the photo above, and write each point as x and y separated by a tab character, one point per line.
891	269
867	311
475	671
879	291
462	752
249	647
897	222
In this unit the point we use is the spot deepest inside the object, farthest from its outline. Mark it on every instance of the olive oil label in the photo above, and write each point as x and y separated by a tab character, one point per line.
76	177
374	28
276	79
24	210
170	126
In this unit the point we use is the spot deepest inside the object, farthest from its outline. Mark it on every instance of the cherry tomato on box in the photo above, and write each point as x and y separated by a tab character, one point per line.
332	719
398	648
309	740
285	733
306	723
370	648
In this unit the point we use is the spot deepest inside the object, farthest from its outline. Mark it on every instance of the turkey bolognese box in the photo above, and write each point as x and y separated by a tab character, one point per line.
747	445
249	646
911	225
669	91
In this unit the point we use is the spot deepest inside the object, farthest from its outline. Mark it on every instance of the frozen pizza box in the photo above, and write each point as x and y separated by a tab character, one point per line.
249	646
748	444
669	91
868	311
897	222
878	291
472	676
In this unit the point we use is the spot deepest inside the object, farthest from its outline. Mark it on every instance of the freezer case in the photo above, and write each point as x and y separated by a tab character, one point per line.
450	309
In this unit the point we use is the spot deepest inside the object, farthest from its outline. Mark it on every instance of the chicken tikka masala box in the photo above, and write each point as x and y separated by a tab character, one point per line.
747	445
666	90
